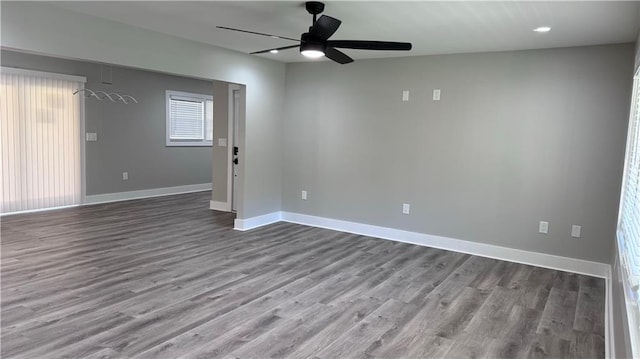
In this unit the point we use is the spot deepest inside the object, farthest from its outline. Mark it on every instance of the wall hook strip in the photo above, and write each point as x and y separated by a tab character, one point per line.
113	97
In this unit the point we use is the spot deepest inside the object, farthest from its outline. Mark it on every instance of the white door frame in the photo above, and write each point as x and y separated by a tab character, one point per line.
230	145
83	147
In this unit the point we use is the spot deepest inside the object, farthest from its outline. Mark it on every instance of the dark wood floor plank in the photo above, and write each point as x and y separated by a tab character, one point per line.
365	334
166	277
354	313
494	317
546	346
589	310
471	345
515	342
559	314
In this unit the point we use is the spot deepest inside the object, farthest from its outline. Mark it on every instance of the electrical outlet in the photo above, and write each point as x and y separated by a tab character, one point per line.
543	227
303	195
575	231
91	136
125	176
405	95
436	95
406	208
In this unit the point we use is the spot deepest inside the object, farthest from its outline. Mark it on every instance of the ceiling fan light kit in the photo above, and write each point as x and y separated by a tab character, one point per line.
310	49
315	43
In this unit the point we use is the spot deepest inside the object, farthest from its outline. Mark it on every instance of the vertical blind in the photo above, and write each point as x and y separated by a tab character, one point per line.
629	218
40	124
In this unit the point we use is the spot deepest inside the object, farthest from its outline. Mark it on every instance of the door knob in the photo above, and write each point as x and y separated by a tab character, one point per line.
235	160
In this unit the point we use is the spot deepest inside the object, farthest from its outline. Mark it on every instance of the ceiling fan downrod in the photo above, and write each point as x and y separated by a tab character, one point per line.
314	8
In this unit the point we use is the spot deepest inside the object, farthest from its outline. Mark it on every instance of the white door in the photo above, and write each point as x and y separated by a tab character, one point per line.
235	148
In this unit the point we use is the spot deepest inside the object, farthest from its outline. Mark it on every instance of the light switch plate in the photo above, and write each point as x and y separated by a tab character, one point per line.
91	136
576	231
222	142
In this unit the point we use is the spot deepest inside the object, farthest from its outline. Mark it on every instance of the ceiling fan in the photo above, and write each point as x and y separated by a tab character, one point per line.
315	43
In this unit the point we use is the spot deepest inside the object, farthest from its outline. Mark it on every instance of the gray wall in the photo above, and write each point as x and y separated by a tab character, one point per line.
518	137
46	29
638	52
220	130
130	137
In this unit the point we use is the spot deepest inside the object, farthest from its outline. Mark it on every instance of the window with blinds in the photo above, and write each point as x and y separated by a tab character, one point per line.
189	119
629	218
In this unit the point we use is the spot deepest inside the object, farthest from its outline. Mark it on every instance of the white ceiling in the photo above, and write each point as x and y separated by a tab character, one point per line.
433	27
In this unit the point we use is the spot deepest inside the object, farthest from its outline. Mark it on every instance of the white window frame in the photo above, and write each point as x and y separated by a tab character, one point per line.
625	240
193	97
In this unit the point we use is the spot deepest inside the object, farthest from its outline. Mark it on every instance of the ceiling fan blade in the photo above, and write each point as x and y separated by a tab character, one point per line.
324	27
277	48
370	45
258	33
337	56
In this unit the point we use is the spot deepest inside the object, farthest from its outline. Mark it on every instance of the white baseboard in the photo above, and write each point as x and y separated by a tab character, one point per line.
38	210
457	245
219	206
609	334
255	222
145	193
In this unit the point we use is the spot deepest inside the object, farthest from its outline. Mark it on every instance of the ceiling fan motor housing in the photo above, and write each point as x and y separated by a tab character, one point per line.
314	7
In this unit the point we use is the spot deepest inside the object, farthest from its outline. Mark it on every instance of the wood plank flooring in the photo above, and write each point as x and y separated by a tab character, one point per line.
167	277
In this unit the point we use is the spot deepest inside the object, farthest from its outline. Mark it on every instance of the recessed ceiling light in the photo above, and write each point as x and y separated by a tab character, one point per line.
274	51
542	29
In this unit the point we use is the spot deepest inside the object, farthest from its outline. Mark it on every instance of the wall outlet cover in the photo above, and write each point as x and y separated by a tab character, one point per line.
405	95
436	95
543	227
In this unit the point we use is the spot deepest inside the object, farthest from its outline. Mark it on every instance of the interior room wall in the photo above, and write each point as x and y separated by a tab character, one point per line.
220	130
131	137
637	53
44	28
517	138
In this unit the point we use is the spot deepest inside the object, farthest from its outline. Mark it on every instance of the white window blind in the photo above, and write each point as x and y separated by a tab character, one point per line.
189	119
629	218
40	136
